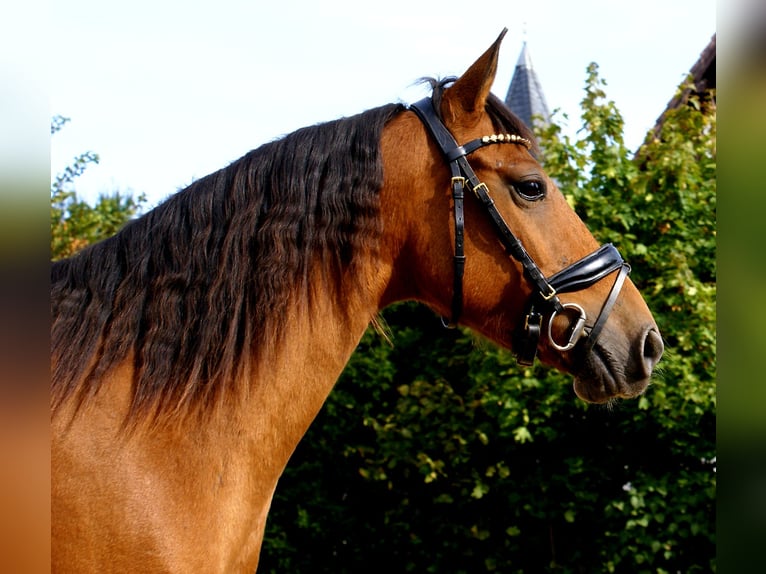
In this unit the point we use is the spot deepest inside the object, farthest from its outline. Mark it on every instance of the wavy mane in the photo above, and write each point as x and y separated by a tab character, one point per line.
194	288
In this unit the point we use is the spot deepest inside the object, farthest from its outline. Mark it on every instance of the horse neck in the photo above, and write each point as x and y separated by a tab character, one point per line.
228	466
294	380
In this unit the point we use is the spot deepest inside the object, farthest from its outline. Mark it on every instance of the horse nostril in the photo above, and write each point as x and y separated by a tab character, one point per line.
653	348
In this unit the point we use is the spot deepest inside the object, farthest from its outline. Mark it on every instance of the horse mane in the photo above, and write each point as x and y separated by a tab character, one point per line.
190	291
193	291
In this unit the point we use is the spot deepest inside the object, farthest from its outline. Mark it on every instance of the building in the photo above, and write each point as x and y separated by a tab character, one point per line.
525	95
702	77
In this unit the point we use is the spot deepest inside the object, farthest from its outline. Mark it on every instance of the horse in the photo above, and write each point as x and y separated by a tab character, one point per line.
191	351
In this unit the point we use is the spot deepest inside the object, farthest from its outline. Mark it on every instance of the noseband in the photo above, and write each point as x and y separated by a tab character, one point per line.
544	301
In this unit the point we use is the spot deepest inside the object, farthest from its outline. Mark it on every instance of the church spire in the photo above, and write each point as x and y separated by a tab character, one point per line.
525	95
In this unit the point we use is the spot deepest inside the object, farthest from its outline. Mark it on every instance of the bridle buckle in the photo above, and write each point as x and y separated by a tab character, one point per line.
576	331
549	296
483	186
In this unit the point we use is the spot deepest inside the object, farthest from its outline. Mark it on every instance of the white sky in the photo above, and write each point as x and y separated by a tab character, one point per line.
167	91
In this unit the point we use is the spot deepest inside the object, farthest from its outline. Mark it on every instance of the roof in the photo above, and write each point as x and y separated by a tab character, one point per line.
525	95
702	75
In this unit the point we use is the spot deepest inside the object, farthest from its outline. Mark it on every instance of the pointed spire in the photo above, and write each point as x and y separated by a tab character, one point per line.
525	95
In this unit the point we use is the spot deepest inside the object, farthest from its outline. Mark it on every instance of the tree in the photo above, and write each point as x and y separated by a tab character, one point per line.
74	222
440	454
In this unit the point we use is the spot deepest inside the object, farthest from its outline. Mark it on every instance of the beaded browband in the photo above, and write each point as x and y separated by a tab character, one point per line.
507	138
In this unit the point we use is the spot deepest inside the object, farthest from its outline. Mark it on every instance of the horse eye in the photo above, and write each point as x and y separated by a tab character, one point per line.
531	189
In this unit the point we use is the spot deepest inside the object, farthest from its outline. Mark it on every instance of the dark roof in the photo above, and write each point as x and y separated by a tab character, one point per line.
525	95
702	76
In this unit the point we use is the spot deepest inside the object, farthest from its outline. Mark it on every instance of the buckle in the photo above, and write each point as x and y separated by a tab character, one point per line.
526	340
486	191
575	331
548	296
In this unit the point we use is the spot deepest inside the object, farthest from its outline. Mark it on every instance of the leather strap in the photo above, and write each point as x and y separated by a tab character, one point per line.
607	308
588	270
458	194
514	248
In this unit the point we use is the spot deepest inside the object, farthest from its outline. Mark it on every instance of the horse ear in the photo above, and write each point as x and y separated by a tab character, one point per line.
470	91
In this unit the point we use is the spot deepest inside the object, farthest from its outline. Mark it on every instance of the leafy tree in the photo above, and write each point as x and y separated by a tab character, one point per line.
439	454
74	222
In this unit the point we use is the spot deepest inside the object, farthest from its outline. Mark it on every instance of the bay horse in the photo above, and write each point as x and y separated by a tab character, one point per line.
192	350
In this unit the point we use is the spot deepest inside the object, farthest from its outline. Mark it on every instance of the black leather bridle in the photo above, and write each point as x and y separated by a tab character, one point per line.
544	301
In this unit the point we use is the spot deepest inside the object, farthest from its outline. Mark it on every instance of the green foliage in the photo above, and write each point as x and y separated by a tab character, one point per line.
440	454
74	222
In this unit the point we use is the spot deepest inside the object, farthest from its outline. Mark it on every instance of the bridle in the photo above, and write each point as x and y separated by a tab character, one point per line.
544	300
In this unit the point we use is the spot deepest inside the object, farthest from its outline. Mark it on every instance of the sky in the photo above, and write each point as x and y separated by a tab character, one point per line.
167	91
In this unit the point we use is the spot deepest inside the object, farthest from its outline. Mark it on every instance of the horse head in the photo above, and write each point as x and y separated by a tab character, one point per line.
492	242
